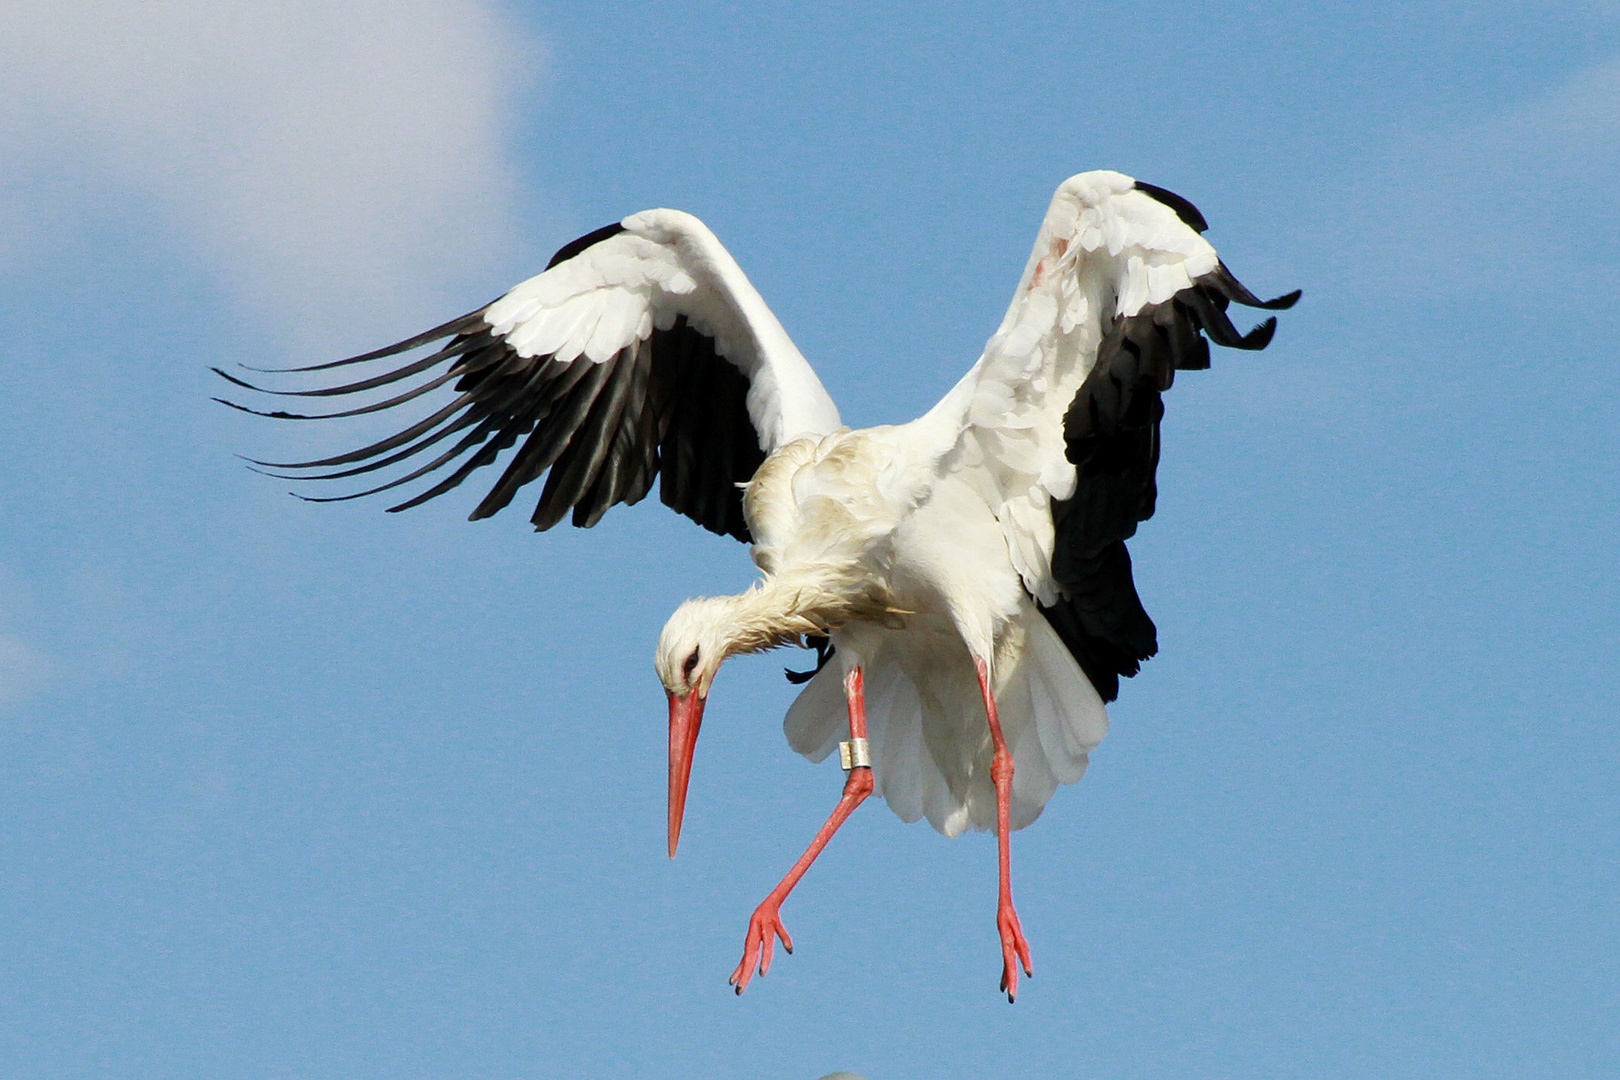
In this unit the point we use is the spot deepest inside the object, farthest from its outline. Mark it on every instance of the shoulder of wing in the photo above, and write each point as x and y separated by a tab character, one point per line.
654	268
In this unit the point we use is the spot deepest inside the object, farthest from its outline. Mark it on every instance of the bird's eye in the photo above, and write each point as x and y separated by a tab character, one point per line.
690	665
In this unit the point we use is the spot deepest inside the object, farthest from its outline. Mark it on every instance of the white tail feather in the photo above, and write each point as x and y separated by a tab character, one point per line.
930	741
1069	714
817	718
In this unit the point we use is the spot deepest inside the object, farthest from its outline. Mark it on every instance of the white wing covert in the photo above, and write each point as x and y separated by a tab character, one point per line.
1058	422
641	350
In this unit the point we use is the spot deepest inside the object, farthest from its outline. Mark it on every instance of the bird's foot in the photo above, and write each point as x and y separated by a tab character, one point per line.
1014	948
763	929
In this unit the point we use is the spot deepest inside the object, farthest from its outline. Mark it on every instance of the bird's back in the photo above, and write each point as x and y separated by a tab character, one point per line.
831	504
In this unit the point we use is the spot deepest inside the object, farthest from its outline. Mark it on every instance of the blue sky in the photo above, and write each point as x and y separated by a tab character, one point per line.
313	791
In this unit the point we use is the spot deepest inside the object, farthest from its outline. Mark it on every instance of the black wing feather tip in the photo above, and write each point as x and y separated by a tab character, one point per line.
1261	335
1209	307
274	414
579	244
321	392
233	380
328	498
413	368
457	325
266	472
1183	207
398	399
1226	285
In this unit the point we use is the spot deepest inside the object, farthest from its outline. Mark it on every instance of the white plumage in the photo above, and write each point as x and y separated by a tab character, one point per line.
965	574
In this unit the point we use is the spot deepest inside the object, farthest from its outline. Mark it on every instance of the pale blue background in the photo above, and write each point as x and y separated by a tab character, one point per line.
312	791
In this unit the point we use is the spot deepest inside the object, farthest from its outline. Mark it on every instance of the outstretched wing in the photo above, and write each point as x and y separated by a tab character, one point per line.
1058	423
641	350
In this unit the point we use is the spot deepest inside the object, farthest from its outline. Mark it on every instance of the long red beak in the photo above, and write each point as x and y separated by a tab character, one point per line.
685	717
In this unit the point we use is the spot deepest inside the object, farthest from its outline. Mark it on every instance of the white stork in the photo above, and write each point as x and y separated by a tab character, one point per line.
966	573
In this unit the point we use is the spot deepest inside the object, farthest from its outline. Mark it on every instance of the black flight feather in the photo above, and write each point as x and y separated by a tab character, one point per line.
1111	436
600	434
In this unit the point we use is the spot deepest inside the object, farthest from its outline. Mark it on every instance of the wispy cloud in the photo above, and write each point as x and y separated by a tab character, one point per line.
1540	177
330	160
1518	203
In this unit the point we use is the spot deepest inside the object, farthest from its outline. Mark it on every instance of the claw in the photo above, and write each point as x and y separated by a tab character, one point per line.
764	927
1014	951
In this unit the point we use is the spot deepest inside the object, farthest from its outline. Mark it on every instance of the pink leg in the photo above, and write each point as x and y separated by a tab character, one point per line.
766	925
1013	945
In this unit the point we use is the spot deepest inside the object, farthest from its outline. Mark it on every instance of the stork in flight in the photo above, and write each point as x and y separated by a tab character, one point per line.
963	577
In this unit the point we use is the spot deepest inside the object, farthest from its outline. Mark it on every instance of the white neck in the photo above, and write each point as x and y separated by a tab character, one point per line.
781	608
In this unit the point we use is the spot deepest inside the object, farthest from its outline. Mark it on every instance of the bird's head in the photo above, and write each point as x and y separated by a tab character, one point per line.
695	641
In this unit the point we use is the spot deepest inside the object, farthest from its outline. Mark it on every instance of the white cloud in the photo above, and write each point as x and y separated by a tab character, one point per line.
337	162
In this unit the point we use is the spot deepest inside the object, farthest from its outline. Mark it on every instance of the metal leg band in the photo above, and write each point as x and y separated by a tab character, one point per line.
855	754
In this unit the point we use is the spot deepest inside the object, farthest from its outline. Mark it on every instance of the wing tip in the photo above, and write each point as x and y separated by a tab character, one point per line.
1260	336
274	414
1283	302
